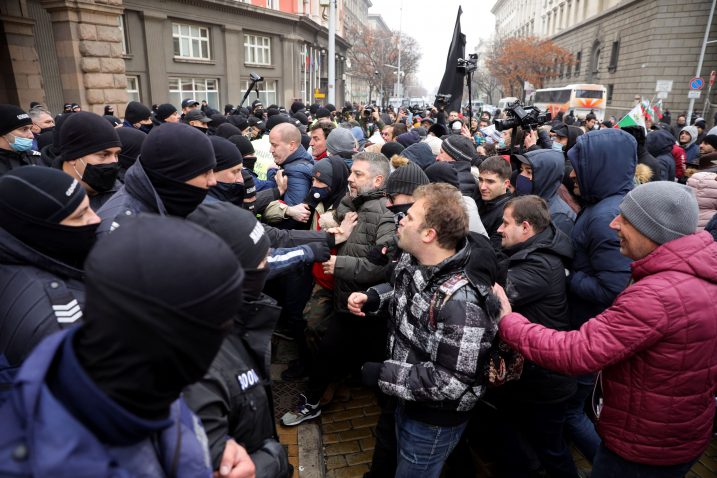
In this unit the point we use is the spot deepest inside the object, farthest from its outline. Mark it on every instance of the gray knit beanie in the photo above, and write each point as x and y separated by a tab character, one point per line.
662	211
341	140
405	179
459	148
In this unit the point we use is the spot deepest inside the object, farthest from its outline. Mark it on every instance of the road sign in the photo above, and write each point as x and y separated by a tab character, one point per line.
697	83
664	85
694	94
713	76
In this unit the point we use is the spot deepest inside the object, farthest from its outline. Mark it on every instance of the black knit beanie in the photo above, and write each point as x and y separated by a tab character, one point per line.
132	140
164	111
323	113
391	148
136	112
177	151
227	130
442	172
12	117
405	179
249	184
226	153
85	133
275	120
243	143
710	139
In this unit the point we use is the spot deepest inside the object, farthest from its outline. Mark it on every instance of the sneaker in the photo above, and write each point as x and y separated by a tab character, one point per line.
295	372
303	411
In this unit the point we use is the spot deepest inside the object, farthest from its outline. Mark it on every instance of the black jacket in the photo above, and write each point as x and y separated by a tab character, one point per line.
491	214
234	399
466	181
38	296
537	288
659	144
10	160
644	157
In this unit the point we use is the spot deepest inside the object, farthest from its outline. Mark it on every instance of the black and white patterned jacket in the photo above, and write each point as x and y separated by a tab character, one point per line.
439	334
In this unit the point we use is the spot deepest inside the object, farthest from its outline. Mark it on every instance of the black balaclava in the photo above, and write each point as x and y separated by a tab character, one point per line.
245	236
132	140
33	202
172	154
227	156
149	331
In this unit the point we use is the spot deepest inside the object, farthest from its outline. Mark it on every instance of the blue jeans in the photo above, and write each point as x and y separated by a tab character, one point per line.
423	448
609	465
577	424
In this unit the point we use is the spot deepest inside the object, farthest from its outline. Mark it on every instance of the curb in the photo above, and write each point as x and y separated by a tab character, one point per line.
311	450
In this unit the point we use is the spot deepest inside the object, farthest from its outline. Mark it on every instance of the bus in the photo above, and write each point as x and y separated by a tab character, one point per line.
580	98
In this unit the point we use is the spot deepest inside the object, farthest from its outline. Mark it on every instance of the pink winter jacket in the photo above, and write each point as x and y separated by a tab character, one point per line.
705	186
657	349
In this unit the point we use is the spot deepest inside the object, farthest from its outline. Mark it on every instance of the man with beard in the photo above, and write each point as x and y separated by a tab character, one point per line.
89	149
47	228
104	397
171	177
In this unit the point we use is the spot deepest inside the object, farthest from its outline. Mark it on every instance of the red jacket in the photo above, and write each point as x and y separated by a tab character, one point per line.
680	159
657	349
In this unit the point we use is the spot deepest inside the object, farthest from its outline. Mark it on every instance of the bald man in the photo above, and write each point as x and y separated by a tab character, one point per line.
292	157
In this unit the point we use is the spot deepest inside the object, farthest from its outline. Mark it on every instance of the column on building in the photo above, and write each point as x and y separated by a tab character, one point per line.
154	30
290	82
234	60
88	43
23	71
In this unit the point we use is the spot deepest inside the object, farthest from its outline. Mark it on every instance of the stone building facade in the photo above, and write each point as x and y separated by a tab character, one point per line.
626	45
98	52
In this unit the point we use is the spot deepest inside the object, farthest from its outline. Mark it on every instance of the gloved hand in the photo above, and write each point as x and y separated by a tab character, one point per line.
377	255
320	250
370	373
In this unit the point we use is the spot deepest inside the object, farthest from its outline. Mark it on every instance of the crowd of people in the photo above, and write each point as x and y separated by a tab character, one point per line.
513	292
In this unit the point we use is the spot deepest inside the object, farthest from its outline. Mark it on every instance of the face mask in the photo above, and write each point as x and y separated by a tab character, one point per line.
557	146
317	195
100	177
399	211
501	144
523	186
249	162
254	280
199	128
20	144
145	128
47	130
179	198
229	192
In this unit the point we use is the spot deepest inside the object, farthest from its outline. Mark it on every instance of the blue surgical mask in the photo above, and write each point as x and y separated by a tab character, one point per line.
501	144
21	144
557	146
523	186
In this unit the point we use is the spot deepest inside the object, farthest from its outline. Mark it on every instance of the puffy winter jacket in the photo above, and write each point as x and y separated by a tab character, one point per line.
353	271
298	168
38	296
548	167
604	162
537	288
234	399
705	186
656	349
40	436
659	144
11	159
491	215
135	197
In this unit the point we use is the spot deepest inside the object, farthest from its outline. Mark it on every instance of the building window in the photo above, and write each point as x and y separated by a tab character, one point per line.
595	59
614	53
578	58
257	50
273	4
609	93
267	92
123	34
191	42
197	88
133	89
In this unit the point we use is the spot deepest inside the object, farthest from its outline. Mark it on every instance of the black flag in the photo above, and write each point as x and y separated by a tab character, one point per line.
452	83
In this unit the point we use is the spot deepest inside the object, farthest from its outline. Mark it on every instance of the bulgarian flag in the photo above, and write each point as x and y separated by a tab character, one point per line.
657	108
634	118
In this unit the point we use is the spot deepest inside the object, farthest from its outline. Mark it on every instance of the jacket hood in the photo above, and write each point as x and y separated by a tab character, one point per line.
692	131
659	142
573	133
551	240
548	168
604	162
15	252
421	154
695	254
140	187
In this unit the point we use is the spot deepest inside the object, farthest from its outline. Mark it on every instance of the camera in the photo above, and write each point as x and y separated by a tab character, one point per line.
468	66
367	111
529	117
442	100
254	77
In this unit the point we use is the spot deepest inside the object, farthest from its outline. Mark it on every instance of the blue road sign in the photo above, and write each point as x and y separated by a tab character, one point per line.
697	83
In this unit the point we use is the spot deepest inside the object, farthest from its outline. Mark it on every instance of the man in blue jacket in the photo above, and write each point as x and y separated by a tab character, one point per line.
292	157
603	168
103	399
